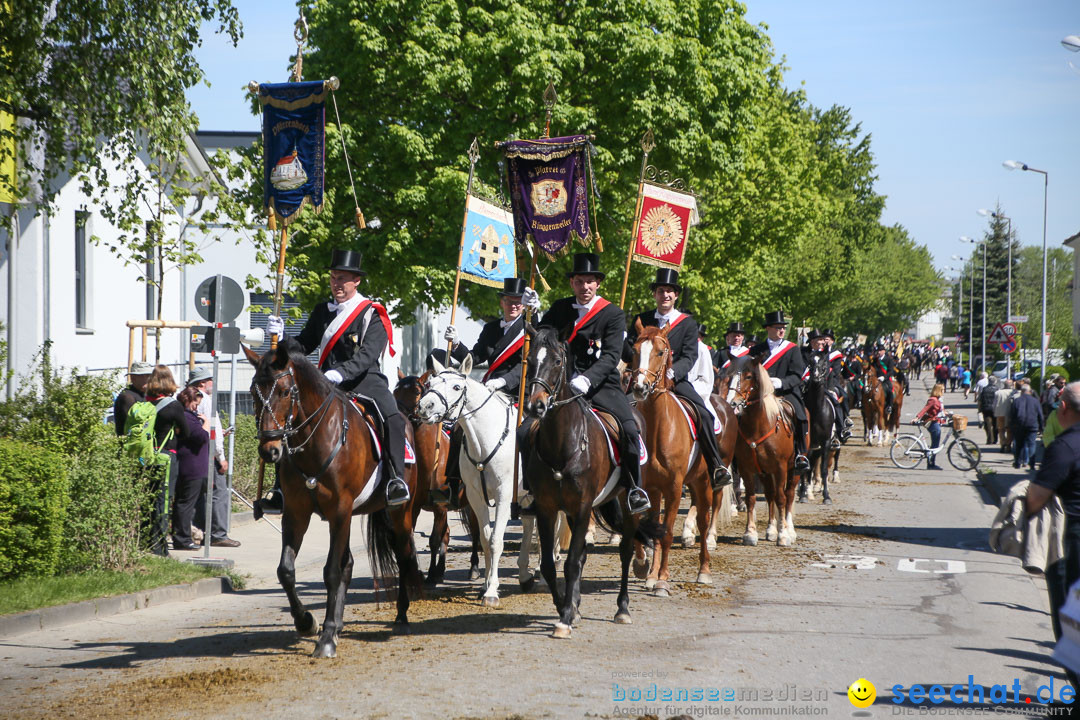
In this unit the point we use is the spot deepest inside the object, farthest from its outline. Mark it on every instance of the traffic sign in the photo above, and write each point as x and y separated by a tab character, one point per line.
1008	346
1009	329
998	335
1018	318
219	299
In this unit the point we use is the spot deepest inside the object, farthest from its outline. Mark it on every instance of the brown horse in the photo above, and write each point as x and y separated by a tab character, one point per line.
328	464
431	445
568	468
873	410
765	450
674	457
892	425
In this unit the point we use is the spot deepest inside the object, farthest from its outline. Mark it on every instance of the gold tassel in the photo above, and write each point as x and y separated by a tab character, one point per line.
543	282
360	224
599	243
271	221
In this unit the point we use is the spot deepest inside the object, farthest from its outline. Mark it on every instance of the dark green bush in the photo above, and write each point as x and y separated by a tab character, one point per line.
246	458
33	502
1036	375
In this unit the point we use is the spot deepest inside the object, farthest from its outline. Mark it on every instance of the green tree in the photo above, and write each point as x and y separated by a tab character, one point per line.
1027	296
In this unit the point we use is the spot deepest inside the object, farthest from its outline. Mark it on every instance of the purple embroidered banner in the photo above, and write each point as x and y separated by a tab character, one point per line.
549	193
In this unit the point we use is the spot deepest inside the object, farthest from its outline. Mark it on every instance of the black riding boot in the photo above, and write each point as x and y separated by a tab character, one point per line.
524	431
273	503
397	490
636	498
719	473
801	463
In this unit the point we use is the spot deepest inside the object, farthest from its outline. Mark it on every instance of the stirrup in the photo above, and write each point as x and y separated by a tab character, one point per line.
272	504
721	478
397	492
801	463
637	501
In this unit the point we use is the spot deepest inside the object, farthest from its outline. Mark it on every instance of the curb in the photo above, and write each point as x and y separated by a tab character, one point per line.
61	615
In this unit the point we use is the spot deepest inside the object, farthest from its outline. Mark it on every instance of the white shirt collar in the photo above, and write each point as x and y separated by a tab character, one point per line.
346	306
583	310
507	323
773	344
667	319
735	348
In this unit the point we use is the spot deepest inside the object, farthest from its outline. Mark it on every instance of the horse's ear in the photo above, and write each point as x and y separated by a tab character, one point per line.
665	330
466	365
424	377
564	334
638	327
252	356
438	366
400	375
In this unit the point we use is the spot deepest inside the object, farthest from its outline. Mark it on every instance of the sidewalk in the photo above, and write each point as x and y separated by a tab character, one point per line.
256	560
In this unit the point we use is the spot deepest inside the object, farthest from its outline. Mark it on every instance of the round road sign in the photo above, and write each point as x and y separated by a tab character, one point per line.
1009	328
226	300
1008	346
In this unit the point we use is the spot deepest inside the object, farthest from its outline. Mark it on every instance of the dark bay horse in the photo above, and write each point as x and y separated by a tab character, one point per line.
873	410
824	442
568	468
674	458
765	450
431	445
327	464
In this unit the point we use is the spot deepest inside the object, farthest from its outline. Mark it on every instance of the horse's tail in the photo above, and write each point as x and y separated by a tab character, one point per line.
725	514
464	519
610	516
380	542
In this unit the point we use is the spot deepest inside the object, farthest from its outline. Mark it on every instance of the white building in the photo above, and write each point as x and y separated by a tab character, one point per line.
930	324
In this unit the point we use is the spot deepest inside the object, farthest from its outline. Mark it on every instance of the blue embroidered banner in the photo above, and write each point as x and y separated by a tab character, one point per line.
487	245
294	153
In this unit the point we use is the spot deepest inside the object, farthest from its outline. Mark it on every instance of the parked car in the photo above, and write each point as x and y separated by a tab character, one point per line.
1001	369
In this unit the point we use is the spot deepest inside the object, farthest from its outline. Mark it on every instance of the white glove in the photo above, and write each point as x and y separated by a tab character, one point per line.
881	378
531	299
671	373
275	326
776	383
495	384
334	376
450	335
581	384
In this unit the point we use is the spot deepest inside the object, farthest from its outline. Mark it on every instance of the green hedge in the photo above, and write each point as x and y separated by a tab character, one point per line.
1035	376
246	458
33	502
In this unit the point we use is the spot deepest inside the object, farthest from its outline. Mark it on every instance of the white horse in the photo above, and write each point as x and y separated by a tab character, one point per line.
486	462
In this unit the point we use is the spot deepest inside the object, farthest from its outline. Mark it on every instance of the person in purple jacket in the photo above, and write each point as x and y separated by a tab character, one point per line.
193	458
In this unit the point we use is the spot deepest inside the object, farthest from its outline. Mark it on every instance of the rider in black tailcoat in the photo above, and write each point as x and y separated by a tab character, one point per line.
595	349
499	346
683	339
734	348
838	374
885	368
787	368
351	333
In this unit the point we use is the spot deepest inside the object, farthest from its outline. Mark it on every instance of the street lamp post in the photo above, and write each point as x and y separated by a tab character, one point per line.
960	318
1014	165
1008	240
965	238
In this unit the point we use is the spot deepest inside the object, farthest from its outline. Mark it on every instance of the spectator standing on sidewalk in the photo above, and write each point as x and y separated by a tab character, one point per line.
954	375
191	458
1060	475
1026	420
965	381
987	396
138	376
1002	403
933	414
941	374
203	380
170	426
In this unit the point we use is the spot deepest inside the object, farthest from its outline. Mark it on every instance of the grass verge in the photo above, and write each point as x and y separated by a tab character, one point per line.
35	593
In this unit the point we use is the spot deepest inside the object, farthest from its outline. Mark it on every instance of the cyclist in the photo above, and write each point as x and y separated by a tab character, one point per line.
933	413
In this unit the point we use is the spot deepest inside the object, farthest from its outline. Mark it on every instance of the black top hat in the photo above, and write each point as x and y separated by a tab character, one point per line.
813	335
775	318
586	264
827	332
513	286
666	276
348	260
701	331
735	327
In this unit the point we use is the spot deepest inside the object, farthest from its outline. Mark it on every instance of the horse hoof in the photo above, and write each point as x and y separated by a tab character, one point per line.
433	579
770	536
687	542
561	631
650	583
307	625
489	601
402	628
641	571
527	585
711	546
749	539
577	617
704	579
785	541
623	618
661	591
826	501
328	650
802	498
474	573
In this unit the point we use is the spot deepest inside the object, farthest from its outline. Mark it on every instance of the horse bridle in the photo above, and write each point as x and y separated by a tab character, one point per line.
656	374
288	430
553	391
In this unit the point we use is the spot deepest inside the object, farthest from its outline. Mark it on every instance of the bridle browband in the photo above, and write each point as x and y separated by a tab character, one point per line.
650	387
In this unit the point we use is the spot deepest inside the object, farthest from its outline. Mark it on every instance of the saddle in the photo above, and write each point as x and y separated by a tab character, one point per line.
376	424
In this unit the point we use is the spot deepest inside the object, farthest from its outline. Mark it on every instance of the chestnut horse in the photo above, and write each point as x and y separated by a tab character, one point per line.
765	450
568	468
892	425
873	410
431	445
328	464
674	455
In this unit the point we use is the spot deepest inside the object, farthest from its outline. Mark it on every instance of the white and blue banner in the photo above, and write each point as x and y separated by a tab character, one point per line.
487	244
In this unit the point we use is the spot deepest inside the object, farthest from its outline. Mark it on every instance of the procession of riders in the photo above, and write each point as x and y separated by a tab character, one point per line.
351	332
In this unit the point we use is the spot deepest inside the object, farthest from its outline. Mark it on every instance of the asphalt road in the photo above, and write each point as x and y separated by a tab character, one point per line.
894	583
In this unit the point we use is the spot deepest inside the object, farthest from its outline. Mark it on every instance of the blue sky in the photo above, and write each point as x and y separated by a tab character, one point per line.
947	89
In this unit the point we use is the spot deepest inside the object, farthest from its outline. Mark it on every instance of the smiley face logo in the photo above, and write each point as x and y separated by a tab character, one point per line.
862	693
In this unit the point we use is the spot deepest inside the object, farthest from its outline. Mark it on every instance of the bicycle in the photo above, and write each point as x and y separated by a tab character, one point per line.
908	451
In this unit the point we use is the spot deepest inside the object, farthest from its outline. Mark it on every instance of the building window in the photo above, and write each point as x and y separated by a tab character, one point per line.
80	269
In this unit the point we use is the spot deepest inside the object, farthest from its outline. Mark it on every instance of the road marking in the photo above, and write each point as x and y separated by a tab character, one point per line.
954	567
859	562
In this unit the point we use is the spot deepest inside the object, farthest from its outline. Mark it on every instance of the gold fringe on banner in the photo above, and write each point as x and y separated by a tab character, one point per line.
658	263
285	221
481	280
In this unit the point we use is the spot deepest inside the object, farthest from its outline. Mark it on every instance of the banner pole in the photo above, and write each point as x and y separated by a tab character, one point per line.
274	338
515	509
474	155
647	145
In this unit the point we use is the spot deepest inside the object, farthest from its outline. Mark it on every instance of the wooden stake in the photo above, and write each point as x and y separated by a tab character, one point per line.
647	144
474	155
274	338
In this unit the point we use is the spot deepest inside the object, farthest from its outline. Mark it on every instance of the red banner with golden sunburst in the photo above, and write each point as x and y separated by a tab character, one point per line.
663	224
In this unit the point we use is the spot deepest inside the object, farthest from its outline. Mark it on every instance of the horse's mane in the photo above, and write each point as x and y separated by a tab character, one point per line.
769	402
307	373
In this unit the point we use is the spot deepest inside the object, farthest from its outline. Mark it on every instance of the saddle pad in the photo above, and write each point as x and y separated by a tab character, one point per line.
611	435
410	456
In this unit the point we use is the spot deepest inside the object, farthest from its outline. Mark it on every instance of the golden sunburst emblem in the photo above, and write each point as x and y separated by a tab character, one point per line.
661	230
